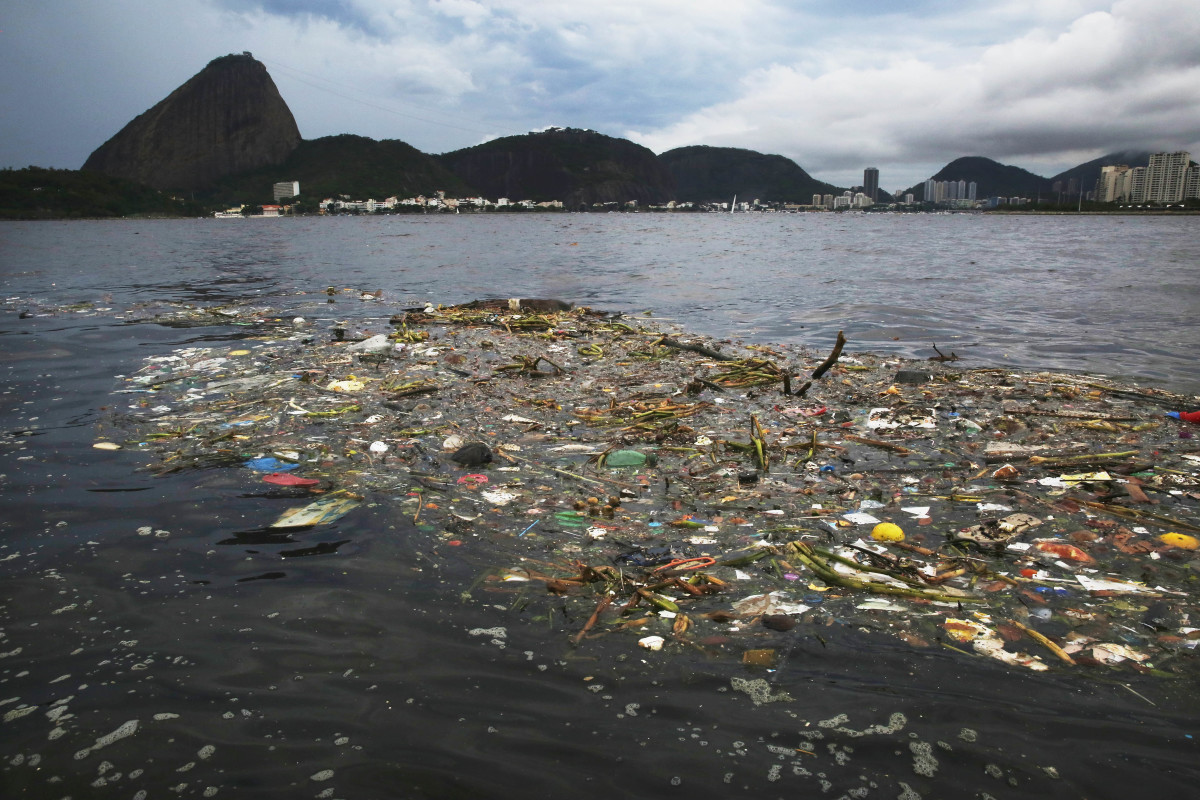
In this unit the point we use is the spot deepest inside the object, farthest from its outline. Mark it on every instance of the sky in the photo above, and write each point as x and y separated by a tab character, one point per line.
904	86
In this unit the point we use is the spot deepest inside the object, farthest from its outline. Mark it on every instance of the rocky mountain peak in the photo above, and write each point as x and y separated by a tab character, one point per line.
226	119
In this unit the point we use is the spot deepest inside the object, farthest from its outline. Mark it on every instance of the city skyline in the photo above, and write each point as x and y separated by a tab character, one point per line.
901	87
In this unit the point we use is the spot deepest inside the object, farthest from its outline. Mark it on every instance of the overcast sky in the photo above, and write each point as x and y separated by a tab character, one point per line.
905	86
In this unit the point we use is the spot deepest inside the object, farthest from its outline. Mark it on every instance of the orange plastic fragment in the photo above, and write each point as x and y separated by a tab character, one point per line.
1067	551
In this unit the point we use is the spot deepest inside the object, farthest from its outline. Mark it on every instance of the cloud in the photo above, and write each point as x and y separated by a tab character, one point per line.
905	87
1105	80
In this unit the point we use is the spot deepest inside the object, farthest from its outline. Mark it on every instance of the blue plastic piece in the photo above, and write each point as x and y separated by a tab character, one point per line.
829	468
1173	414
269	464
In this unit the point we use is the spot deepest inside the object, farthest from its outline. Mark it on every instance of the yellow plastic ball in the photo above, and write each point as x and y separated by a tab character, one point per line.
1180	540
887	532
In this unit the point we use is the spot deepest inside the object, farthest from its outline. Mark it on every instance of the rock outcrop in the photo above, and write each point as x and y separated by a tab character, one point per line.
228	118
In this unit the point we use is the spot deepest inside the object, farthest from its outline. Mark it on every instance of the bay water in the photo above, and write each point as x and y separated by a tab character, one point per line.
151	647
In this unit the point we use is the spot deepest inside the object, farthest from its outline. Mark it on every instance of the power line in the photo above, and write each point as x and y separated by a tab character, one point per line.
367	103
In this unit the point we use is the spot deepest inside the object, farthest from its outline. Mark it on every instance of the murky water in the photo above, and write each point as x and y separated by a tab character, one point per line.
155	643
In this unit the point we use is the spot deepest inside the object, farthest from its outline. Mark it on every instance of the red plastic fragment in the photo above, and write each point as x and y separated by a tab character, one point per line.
286	479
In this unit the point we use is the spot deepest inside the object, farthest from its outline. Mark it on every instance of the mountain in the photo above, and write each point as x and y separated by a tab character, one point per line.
713	174
350	165
992	178
228	118
1087	174
578	167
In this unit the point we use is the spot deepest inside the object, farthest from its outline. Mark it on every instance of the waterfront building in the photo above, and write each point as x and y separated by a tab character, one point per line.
1137	185
1165	177
285	189
1114	184
1191	189
816	200
871	183
827	201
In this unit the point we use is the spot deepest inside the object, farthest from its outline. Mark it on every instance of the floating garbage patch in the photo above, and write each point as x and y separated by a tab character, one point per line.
681	494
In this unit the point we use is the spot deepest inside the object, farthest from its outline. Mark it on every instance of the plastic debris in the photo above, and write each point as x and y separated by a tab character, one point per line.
327	509
269	464
678	493
1180	540
887	532
287	479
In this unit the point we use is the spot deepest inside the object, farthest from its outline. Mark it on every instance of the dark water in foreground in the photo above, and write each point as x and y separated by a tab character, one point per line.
283	669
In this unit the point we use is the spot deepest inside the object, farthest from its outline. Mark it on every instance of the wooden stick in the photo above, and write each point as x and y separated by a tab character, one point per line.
833	357
1049	645
1086	458
587	626
896	448
695	348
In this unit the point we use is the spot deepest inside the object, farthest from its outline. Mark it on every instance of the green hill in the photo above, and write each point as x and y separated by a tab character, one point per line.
355	166
715	174
578	167
37	193
992	179
1087	174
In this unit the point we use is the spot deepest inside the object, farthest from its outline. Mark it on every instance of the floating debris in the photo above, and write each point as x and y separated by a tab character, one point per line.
671	491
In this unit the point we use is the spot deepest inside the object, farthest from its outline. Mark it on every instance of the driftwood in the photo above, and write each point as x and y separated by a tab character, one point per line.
941	357
896	448
695	348
833	357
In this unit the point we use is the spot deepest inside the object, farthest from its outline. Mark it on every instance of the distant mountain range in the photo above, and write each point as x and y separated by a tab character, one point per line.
226	135
994	179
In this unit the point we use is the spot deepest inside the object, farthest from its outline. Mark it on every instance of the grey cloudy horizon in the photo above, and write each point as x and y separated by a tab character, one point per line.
902	86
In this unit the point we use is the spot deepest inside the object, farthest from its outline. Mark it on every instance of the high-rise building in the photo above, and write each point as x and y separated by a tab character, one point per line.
1165	177
286	189
1113	186
871	183
816	200
1191	189
929	194
972	190
1137	185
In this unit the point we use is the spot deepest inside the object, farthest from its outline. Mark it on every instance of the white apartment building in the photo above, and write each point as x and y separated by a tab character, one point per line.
1192	188
1115	184
285	189
1166	177
1137	185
